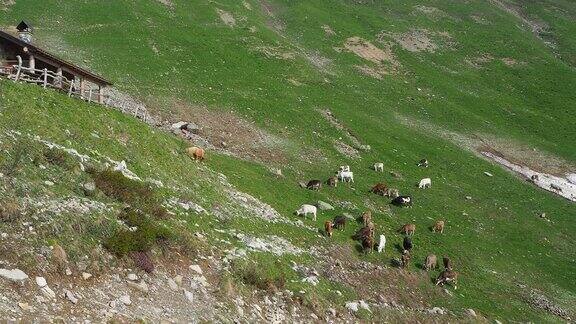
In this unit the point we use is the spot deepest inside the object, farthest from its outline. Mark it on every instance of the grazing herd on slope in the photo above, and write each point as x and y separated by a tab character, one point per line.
366	234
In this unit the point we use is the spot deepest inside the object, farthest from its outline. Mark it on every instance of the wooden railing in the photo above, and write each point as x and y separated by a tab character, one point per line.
50	79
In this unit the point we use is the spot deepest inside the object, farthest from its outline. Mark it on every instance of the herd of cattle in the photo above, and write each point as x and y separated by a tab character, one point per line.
366	234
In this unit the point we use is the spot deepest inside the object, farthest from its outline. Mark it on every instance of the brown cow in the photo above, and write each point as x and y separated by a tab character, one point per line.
448	276
438	227
367	217
332	181
328	228
447	263
405	259
368	244
340	222
196	153
408	229
314	185
379	189
364	232
431	262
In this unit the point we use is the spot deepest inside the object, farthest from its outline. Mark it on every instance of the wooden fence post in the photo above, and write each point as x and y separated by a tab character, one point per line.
90	94
19	68
70	90
45	77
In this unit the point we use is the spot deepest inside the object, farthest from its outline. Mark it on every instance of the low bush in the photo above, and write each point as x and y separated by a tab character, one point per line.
59	158
9	210
253	275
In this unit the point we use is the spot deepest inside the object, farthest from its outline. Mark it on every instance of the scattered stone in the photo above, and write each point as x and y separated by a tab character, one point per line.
125	299
178	280
189	296
543	215
196	268
468	197
488	174
68	272
15	275
172	284
132	277
436	310
471	312
353	306
24	306
70	296
49	183
313	280
142	286
86	275
41	282
332	311
48	292
324	205
89	188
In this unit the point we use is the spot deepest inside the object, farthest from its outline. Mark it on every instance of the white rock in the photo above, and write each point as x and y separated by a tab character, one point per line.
313	280
353	306
41	282
49	183
201	280
15	275
488	174
47	292
70	296
125	299
364	305
68	272
571	178
142	286
178	279
196	268
471	312
189	296
86	275
24	306
172	284
132	277
4	235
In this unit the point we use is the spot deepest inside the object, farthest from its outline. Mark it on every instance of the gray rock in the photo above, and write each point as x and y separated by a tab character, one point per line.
172	284
142	286
132	277
189	296
196	268
125	299
86	275
41	282
15	275
89	188
70	296
179	126
324	205
471	312
48	292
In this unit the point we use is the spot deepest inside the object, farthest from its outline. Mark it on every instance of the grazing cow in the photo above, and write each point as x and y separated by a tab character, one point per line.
314	185
345	176
423	163
408	229
345	168
425	183
340	222
368	244
407	244
328	228
307	209
438	226
379	189
555	187
332	181
364	232
405	259
448	276
367	217
382	243
195	153
447	263
402	201
379	167
431	262
392	193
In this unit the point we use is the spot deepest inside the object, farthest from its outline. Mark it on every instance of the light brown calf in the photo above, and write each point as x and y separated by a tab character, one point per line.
367	217
328	227
438	227
195	153
431	262
408	229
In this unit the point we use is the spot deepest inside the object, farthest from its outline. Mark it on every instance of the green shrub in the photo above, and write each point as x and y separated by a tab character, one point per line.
59	158
147	233
253	275
132	192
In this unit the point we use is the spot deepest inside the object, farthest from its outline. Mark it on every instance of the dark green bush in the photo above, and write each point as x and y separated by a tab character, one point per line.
58	157
252	275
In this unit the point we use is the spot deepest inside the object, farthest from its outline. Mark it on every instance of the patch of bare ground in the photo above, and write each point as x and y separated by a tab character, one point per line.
317	60
383	60
226	131
480	19
479	61
431	12
226	17
271	10
328	30
167	3
276	52
419	40
346	149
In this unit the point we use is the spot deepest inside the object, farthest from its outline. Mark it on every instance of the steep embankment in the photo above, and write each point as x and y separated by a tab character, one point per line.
406	79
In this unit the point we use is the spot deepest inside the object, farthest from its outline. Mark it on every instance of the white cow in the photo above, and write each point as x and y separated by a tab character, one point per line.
345	168
425	183
382	243
307	209
379	167
346	176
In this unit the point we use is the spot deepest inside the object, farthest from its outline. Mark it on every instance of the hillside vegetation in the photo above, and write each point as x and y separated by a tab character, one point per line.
303	87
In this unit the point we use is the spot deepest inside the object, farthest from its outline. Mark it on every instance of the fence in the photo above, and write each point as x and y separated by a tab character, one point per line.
50	79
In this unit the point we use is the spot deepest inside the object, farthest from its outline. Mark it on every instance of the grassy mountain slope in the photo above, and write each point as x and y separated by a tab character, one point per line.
489	77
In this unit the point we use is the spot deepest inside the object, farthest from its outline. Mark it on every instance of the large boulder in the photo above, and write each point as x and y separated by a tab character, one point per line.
324	205
15	275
